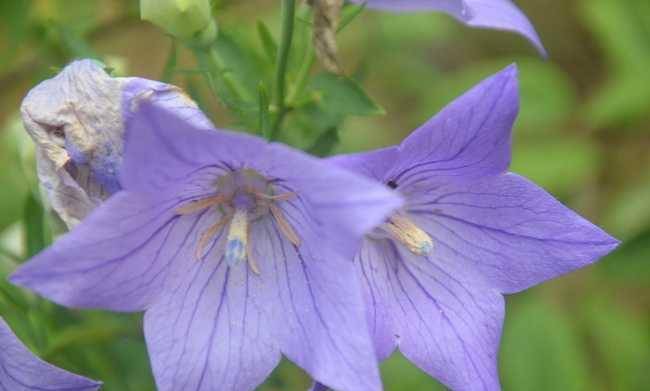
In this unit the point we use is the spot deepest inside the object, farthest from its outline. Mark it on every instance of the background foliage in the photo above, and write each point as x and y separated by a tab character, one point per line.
583	133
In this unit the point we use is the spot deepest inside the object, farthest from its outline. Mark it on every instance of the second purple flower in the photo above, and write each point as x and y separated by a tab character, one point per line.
435	272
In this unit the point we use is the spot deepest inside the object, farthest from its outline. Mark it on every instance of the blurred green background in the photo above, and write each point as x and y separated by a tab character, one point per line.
583	134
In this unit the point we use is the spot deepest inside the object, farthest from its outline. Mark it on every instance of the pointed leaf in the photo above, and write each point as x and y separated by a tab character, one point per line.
342	96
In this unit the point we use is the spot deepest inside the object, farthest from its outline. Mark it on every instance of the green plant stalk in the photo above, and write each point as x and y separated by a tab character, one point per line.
170	64
302	77
209	58
288	19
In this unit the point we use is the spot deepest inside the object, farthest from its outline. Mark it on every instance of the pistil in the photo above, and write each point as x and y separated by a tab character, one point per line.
237	239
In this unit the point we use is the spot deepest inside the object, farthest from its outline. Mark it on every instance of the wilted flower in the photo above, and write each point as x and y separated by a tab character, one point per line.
326	22
20	370
76	122
435	272
495	14
185	19
238	250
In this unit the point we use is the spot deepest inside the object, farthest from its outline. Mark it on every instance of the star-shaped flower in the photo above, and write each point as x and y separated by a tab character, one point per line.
238	250
20	370
493	14
435	272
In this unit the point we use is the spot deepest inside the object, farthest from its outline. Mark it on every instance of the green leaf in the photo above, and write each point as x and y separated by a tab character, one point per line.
621	340
286	376
399	374
558	163
342	96
14	16
88	333
623	31
242	62
629	262
628	213
540	351
548	96
34	226
268	42
348	14
622	100
325	143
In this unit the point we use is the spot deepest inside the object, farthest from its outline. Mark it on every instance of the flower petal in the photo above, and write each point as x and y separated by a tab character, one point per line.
317	307
208	330
20	370
116	258
495	14
372	164
514	232
217	326
319	387
468	139
445	319
157	149
501	15
374	265
159	153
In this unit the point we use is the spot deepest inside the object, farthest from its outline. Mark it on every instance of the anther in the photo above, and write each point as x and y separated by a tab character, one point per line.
197	206
276	197
284	226
252	262
410	235
209	234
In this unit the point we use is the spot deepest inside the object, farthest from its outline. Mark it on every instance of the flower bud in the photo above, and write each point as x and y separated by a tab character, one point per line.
184	19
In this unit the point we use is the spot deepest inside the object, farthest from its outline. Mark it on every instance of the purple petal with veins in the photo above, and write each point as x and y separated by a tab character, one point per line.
21	370
239	251
434	273
492	14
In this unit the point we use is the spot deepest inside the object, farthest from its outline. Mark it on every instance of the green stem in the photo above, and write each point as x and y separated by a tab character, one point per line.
170	64
217	64
225	87
303	76
288	16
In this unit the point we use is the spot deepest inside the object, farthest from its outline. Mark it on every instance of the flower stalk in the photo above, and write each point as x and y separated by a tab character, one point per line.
288	16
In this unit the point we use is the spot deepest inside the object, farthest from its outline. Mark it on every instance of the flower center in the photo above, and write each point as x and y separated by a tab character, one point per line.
242	197
403	230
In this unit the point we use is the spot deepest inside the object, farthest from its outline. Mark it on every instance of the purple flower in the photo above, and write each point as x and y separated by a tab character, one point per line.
76	122
435	272
495	14
238	250
20	370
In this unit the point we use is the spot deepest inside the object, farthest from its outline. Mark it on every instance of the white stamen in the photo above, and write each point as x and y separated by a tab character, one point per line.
410	235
